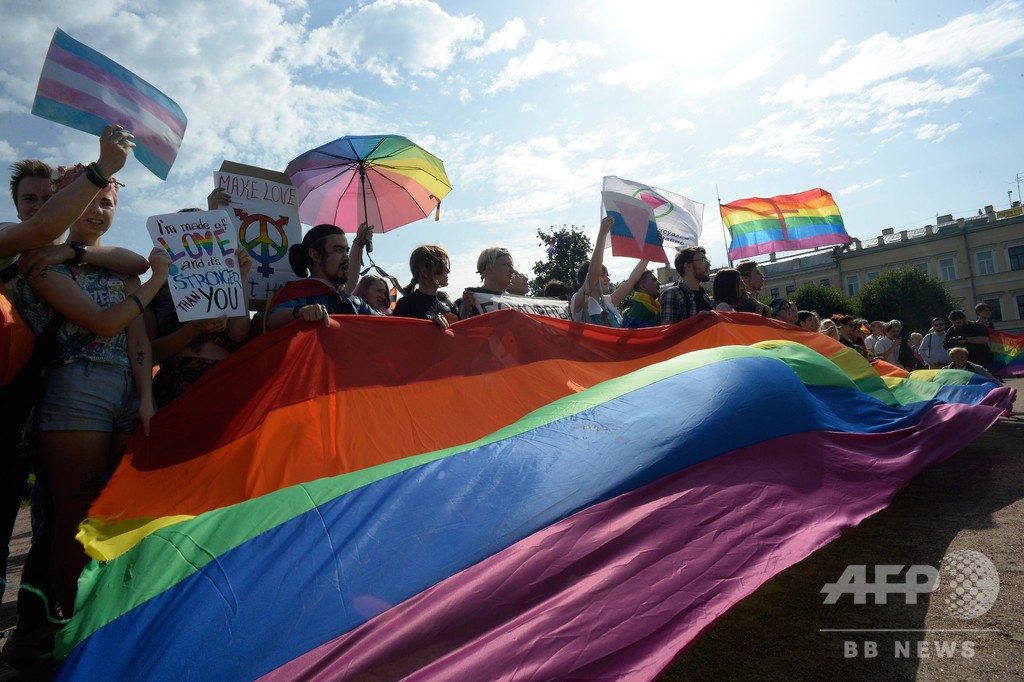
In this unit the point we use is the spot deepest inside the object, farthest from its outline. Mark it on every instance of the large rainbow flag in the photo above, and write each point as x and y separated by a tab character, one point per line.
514	497
788	222
1007	354
83	89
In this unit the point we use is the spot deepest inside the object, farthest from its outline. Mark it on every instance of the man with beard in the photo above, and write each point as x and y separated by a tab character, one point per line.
322	261
687	298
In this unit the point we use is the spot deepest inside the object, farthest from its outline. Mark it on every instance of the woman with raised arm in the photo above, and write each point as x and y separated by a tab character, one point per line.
98	381
591	303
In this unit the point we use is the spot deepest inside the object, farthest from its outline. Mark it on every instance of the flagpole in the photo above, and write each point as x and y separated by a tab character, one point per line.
725	232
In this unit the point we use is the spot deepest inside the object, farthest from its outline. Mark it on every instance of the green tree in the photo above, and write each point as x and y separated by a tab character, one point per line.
825	300
567	249
908	295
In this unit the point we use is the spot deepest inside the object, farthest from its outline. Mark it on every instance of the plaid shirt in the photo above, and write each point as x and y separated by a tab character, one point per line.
680	302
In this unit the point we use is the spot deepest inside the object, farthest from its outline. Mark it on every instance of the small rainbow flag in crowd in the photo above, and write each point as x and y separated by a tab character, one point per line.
1007	352
81	88
788	222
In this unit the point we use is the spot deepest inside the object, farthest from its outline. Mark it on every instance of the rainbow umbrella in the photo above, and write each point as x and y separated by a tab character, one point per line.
384	180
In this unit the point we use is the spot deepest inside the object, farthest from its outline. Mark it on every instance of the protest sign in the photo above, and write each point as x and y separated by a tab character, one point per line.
265	213
549	307
204	278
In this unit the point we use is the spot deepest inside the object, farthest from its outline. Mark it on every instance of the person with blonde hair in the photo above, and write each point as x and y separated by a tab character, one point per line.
496	269
828	328
888	347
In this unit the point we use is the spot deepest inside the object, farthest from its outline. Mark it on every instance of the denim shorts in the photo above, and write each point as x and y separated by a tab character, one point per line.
88	396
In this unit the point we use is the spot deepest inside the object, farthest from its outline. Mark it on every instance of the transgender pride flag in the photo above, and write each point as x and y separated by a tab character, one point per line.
82	89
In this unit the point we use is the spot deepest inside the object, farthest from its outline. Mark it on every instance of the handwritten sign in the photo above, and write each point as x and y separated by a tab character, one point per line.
549	307
265	213
204	278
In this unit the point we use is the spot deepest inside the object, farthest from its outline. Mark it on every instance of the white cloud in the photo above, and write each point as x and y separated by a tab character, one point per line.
964	40
935	132
859	187
464	95
791	140
507	38
838	48
389	37
527	106
545	57
680	124
903	92
637	76
642	75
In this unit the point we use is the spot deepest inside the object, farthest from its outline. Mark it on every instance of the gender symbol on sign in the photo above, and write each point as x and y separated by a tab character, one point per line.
263	247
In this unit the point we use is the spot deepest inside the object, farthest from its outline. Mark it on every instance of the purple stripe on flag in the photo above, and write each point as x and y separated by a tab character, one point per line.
63	93
103	79
778	245
618	590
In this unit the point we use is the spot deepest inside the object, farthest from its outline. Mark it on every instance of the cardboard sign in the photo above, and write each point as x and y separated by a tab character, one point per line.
204	279
549	307
265	213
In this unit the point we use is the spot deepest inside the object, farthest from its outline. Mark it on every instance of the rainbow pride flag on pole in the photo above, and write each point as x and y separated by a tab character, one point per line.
788	222
1007	354
81	88
320	521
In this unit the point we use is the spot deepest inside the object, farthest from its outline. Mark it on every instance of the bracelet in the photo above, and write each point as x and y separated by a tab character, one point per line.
138	302
295	312
79	249
92	172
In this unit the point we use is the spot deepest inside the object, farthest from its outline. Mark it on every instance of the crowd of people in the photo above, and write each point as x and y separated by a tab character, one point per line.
100	332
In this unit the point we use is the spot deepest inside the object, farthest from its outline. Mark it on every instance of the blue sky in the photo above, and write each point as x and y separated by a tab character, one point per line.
902	110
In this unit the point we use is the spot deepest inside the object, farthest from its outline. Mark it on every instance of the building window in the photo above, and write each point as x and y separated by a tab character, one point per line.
872	276
775	292
1020	307
789	291
923	267
1016	257
852	285
947	269
986	263
997	309
826	282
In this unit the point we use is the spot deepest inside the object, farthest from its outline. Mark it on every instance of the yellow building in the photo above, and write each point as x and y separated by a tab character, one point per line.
980	258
